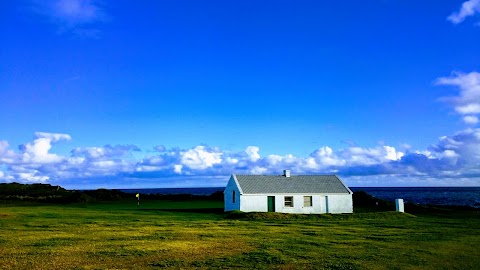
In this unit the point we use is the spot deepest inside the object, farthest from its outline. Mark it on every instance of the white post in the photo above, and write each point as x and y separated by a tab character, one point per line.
399	205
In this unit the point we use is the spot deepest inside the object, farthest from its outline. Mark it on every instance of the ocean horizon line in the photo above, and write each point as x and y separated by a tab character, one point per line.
211	187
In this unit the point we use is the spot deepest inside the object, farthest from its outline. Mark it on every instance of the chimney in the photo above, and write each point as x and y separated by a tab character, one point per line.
286	173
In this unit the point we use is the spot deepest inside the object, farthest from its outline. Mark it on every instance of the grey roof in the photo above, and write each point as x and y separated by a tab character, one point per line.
307	184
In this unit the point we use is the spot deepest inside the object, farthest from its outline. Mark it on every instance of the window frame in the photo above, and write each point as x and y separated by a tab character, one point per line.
233	196
290	201
310	201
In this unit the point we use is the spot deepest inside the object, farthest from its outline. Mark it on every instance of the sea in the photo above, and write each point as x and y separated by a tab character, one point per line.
460	196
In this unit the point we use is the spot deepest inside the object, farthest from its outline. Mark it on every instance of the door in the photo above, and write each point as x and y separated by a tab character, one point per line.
271	203
326	205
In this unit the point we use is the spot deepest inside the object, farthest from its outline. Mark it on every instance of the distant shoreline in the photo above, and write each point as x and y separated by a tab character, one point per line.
436	196
121	189
446	196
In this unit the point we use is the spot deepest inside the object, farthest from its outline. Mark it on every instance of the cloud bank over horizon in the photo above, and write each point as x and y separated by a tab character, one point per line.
449	161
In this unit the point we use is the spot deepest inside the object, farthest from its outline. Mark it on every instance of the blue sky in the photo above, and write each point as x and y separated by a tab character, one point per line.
119	94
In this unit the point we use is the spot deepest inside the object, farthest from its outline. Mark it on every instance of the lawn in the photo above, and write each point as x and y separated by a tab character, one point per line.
197	234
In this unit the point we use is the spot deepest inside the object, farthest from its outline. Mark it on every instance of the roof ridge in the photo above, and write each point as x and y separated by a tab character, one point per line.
309	183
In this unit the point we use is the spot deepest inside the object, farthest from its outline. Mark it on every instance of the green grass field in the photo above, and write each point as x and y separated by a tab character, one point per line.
197	234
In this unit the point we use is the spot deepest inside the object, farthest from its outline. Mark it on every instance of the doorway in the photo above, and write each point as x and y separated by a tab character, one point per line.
271	203
326	205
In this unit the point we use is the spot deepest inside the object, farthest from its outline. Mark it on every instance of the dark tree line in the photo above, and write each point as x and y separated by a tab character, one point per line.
56	194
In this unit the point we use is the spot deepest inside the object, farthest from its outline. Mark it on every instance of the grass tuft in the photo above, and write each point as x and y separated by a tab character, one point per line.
253	260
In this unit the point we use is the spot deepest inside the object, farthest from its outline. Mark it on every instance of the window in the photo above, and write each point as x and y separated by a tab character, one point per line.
307	201
233	196
288	201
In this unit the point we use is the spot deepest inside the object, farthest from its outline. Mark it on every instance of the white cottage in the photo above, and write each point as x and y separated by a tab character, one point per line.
302	194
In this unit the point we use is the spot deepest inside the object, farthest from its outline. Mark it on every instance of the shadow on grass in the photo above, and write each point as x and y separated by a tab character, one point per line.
267	216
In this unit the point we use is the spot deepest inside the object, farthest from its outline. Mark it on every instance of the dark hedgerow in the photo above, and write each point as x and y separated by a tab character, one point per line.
55	194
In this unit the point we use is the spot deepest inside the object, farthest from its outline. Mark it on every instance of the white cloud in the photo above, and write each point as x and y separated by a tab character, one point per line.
107	164
406	146
107	151
355	156
232	161
178	168
6	155
31	177
425	153
252	152
449	154
470	119
201	157
468	8
76	11
3	147
160	148
455	156
78	17
391	153
35	162
274	160
468	108
325	157
468	101
38	150
54	137
465	143
258	170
